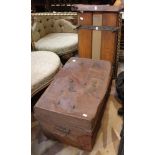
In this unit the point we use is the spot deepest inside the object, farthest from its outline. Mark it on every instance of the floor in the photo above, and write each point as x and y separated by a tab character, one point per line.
108	137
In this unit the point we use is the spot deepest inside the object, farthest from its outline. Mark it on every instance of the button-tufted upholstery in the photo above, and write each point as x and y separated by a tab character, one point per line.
56	35
44	65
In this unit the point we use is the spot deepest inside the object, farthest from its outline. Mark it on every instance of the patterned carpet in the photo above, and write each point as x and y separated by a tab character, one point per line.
107	140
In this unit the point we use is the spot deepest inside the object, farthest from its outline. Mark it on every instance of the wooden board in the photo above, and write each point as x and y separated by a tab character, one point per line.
97	44
109	39
85	36
71	108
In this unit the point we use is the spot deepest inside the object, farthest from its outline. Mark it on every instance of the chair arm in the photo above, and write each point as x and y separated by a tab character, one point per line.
64	26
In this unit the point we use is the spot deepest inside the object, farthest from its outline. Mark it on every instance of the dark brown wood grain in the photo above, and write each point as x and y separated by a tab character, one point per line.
70	110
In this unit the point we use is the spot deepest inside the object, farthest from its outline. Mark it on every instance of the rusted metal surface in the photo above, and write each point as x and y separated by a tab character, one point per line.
71	107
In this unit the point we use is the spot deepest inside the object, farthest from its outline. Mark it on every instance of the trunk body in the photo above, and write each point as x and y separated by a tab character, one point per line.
98	32
72	106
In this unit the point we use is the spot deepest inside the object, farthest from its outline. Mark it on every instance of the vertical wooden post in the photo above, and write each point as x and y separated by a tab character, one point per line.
109	39
85	36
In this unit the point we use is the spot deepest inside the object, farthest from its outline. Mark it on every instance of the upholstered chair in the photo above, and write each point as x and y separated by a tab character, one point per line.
55	35
44	66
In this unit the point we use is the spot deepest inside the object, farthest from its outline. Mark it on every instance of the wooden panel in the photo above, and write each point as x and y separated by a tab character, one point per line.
109	39
96	38
85	36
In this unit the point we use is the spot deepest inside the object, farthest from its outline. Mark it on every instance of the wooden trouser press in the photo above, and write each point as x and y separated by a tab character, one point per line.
98	30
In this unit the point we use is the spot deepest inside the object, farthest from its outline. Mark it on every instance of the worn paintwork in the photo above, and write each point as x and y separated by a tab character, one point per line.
72	106
107	141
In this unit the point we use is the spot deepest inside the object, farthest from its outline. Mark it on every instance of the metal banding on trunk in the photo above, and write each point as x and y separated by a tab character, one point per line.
99	28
